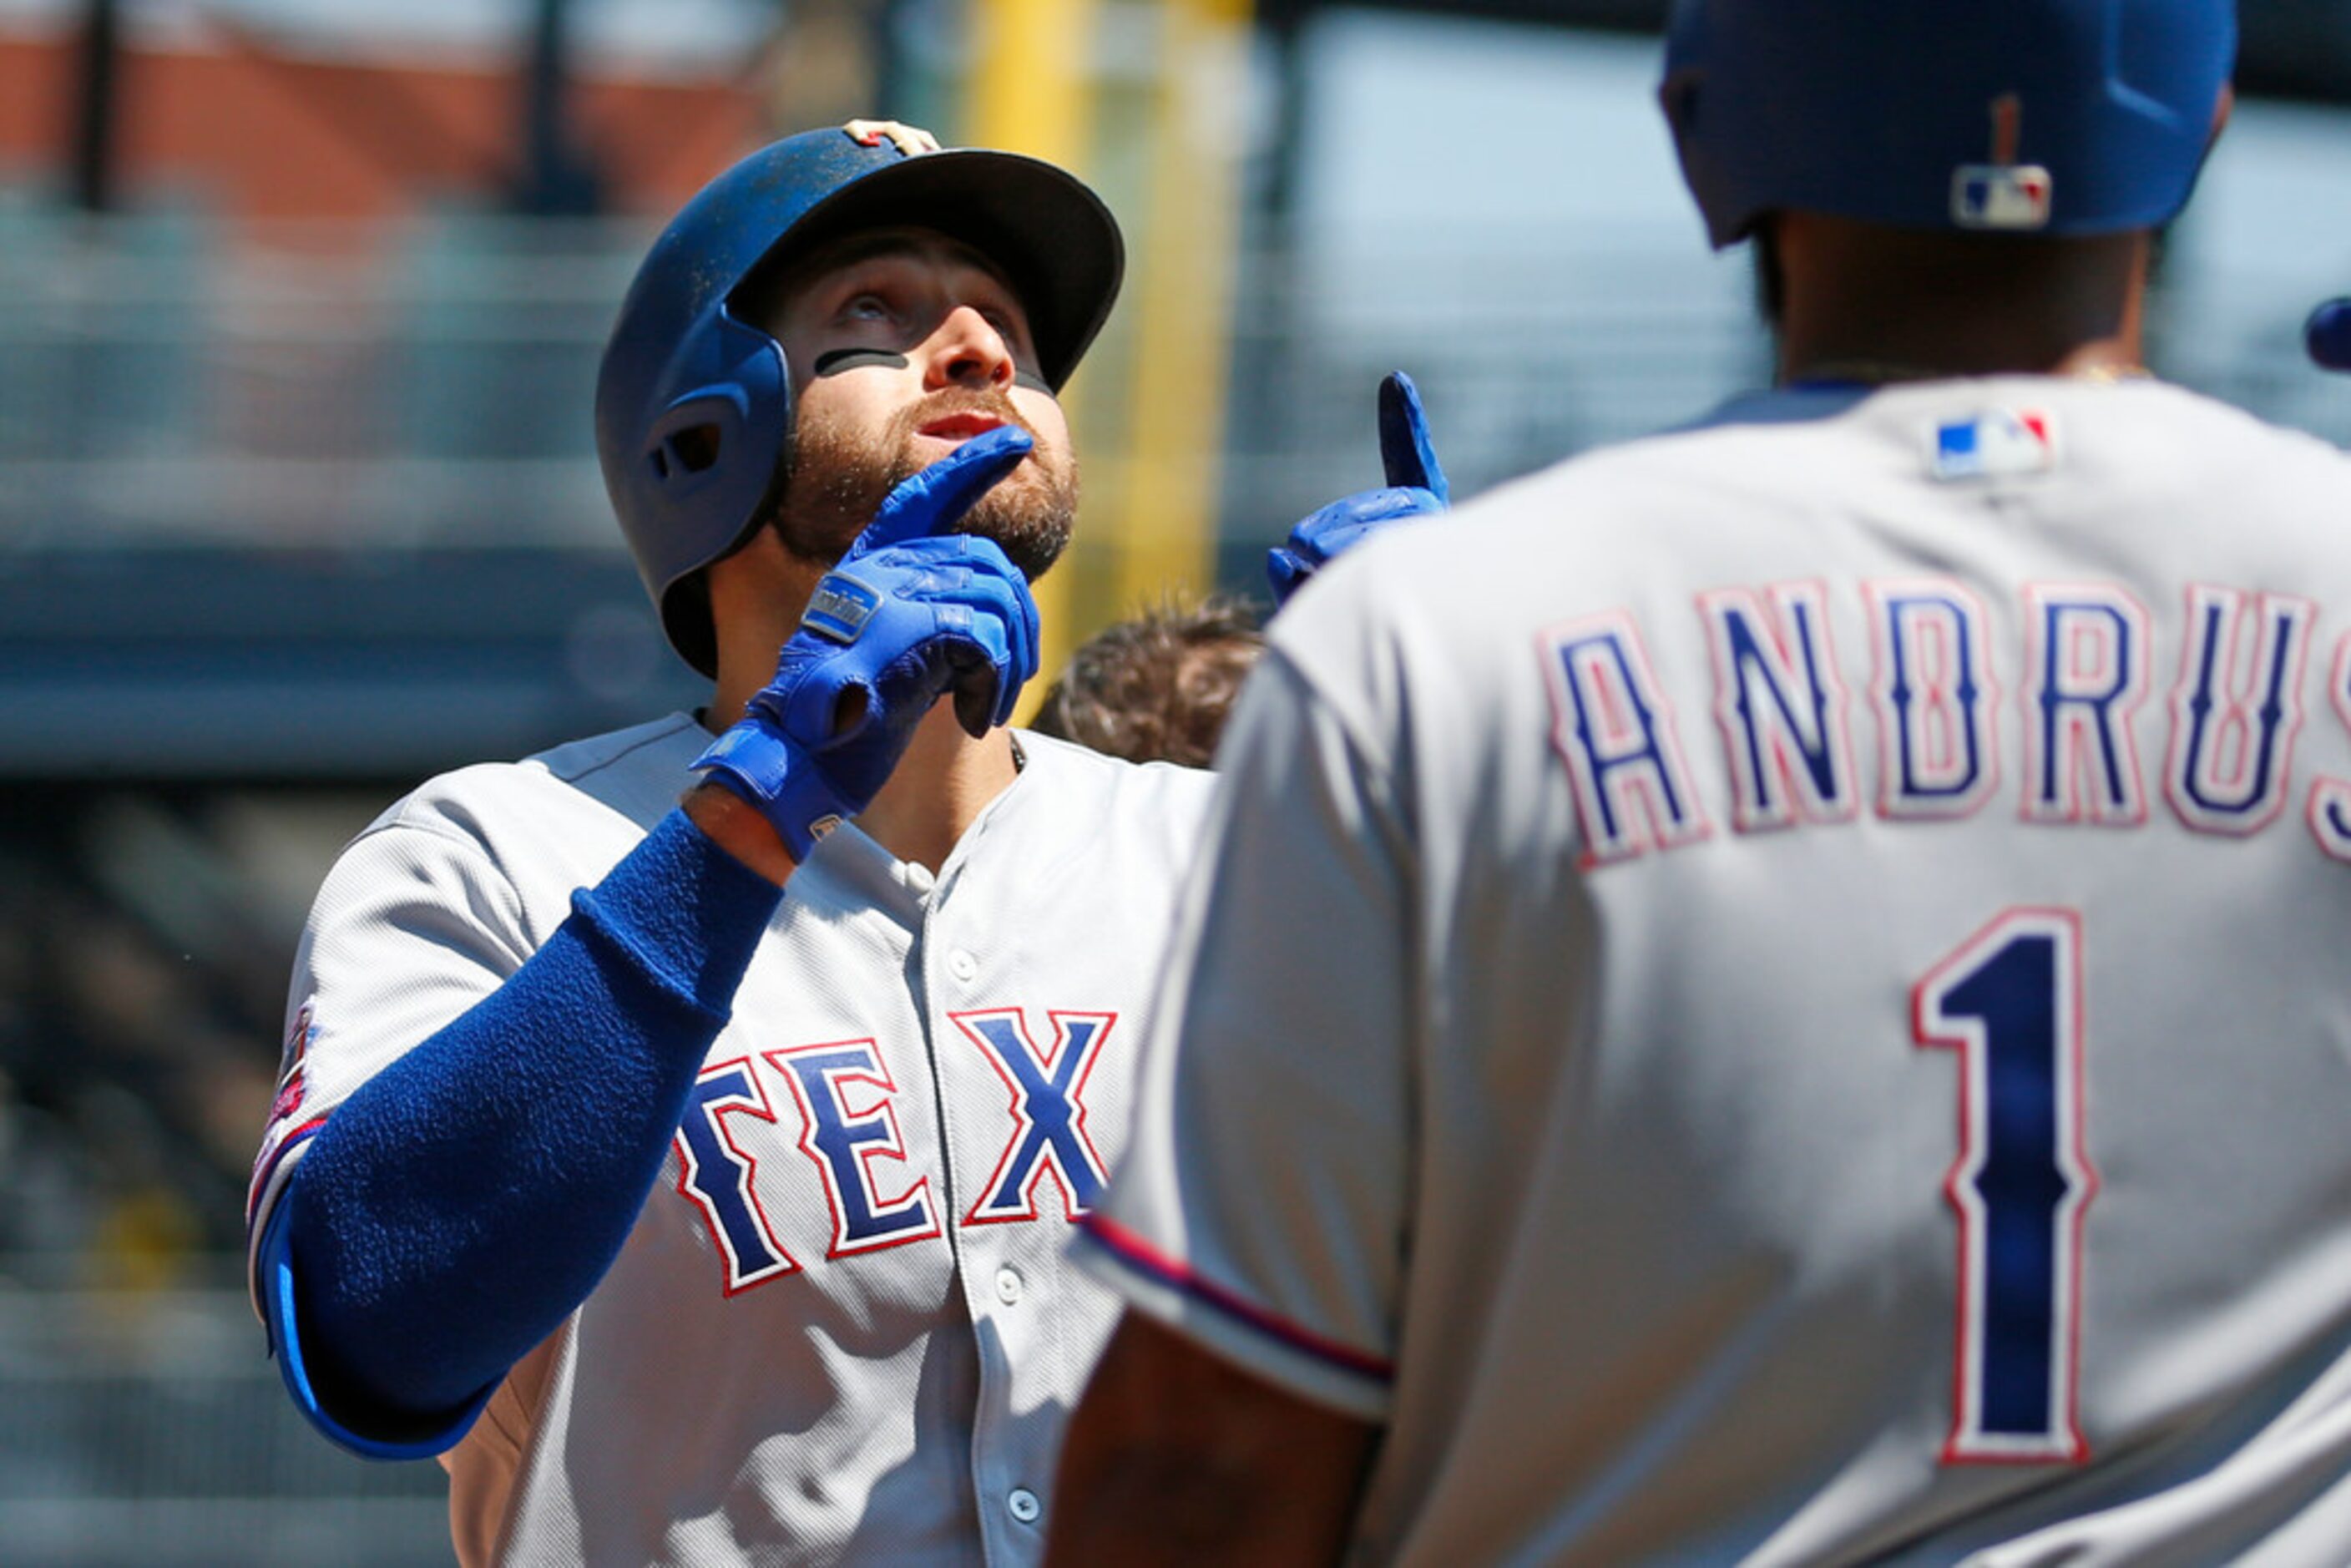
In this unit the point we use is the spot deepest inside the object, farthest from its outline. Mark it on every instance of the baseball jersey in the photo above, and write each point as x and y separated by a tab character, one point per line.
1779	994
844	1327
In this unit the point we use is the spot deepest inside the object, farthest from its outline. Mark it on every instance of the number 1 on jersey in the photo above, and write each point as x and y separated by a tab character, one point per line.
2010	1002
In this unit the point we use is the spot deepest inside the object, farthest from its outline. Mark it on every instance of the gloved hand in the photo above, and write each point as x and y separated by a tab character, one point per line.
1416	488
910	614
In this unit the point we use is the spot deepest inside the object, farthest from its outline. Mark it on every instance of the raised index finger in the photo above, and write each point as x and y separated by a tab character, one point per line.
1404	450
932	502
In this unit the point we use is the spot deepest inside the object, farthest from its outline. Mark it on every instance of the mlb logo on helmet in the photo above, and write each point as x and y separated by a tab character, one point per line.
2003	193
1996	443
2000	196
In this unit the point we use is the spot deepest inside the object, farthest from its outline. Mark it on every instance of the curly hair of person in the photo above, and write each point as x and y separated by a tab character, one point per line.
1156	688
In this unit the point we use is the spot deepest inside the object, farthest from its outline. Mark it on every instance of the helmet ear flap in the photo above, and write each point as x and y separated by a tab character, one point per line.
705	470
691	438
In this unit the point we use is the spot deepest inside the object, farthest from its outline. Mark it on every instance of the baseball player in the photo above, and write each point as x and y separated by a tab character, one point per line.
1777	994
694	1180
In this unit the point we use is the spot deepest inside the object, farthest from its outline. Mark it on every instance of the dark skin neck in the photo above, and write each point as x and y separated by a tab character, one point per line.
1861	302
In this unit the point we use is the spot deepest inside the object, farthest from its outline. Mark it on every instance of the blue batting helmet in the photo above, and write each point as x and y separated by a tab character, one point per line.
693	411
2060	117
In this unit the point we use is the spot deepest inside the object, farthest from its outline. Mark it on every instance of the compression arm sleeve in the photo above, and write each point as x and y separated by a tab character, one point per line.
463	1202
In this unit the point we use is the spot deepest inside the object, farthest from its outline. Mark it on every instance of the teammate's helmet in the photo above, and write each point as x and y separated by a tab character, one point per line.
2060	117
694	401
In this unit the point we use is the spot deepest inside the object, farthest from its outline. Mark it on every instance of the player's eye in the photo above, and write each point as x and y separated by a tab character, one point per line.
1007	326
866	306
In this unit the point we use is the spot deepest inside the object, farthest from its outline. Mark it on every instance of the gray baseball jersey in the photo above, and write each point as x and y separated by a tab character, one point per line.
844	1327
1779	994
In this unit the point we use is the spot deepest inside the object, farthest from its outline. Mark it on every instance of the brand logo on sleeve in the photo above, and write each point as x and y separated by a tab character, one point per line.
290	1063
288	1128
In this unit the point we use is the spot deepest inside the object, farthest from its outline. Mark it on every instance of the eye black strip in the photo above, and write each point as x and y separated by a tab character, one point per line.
840	359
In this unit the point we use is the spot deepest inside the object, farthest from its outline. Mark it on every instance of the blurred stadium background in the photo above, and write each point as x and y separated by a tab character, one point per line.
301	305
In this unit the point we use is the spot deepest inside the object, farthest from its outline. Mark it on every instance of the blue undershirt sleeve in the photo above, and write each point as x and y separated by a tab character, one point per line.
462	1202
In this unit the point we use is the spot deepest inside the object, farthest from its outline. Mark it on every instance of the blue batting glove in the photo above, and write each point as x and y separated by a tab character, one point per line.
912	613
1416	488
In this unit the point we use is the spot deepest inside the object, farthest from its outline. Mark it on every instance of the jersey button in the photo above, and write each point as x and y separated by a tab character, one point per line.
1024	1505
1007	1286
962	965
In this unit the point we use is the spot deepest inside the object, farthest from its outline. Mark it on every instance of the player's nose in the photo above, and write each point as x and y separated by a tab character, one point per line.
968	351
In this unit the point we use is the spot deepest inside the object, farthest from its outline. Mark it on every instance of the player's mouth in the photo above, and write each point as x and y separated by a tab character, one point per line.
960	427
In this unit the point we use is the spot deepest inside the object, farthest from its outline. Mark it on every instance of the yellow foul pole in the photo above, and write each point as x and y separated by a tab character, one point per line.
1184	304
1031	81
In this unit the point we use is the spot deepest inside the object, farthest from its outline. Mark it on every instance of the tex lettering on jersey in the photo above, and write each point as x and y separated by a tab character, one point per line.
1934	694
2330	798
734	1144
2085	677
844	1094
719	1176
1780	704
1047	1088
1615	729
2237	708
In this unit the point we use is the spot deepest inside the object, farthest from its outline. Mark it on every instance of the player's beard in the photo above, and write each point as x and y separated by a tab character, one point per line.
840	477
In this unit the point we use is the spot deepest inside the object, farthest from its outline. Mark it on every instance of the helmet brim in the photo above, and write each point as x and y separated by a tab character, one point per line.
1057	244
